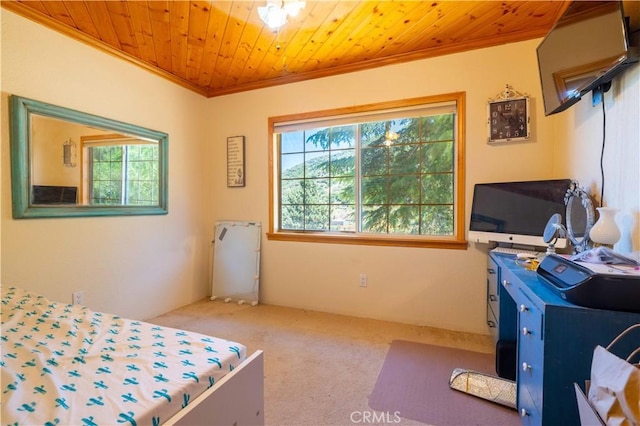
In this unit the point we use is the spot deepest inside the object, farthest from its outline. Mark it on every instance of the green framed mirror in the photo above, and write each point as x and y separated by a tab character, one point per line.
67	163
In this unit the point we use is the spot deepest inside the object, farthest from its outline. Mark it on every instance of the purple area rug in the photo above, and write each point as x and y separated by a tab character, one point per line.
414	383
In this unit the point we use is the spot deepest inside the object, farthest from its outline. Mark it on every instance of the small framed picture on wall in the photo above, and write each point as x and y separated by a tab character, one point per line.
235	161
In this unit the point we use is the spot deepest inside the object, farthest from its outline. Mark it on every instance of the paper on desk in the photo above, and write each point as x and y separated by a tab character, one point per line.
602	268
604	255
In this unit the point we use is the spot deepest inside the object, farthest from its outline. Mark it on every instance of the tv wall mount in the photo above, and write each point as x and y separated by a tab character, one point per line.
508	117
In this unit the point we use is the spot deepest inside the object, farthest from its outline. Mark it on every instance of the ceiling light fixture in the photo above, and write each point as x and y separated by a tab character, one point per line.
275	13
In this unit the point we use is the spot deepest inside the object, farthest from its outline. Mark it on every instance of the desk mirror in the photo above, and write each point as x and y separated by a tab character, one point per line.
579	217
66	163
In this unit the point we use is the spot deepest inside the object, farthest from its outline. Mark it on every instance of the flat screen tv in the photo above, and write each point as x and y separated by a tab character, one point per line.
49	194
585	50
516	212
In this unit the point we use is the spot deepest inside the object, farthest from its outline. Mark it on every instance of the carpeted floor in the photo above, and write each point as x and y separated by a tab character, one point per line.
414	383
320	369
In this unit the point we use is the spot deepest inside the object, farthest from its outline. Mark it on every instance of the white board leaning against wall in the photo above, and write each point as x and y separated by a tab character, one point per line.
236	262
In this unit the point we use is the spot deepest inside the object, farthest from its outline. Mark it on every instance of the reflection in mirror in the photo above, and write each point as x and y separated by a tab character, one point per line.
579	217
68	163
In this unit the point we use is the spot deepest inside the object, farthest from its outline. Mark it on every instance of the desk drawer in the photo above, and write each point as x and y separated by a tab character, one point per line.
492	288
530	350
529	413
493	312
493	303
492	322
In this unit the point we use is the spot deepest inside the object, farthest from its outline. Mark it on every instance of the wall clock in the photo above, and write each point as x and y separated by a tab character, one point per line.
509	117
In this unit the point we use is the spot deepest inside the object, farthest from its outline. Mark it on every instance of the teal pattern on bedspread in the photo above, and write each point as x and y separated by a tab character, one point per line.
68	365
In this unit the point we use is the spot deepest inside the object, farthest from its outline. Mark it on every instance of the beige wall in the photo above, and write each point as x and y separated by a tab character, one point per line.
442	288
580	138
48	137
164	261
133	266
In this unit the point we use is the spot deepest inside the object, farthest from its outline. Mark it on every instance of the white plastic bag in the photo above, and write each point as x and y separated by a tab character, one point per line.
614	391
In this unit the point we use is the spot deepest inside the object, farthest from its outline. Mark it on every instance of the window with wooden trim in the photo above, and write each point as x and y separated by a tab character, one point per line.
118	170
388	174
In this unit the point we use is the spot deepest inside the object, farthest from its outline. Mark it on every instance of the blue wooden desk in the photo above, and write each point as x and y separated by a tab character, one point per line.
554	339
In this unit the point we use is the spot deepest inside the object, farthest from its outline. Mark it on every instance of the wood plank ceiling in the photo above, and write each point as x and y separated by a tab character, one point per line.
221	47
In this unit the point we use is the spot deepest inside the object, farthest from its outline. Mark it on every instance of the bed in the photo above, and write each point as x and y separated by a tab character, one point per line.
66	364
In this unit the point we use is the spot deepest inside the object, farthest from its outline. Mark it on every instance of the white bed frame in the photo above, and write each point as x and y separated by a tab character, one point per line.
237	399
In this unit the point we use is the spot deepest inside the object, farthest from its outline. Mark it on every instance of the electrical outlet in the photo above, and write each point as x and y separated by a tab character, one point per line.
363	280
77	297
